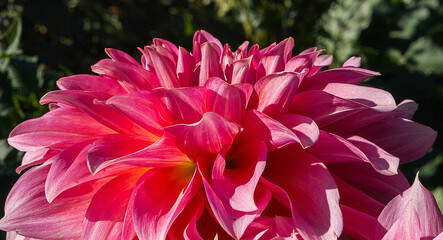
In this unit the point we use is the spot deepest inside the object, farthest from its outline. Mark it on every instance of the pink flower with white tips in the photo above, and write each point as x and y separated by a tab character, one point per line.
250	144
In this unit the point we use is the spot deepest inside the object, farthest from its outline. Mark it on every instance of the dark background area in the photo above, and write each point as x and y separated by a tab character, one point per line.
41	41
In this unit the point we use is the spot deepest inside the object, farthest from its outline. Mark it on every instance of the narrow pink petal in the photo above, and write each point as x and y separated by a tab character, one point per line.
382	161
349	75
241	72
159	197
109	151
372	97
232	221
90	103
131	77
320	62
36	157
184	227
395	136
121	56
311	190
415	207
275	92
15	236
167	49
92	83
242	50
185	67
303	127
183	105
301	61
259	126
210	134
105	214
352	197
353	62
29	214
357	224
367	180
274	59
235	175
326	109
202	37
229	101
333	149
57	129
165	69
143	108
210	66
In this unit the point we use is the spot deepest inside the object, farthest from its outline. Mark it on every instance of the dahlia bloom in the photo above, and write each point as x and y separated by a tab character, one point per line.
245	144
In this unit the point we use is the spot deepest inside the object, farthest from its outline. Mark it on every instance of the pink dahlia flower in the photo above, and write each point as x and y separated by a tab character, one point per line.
245	144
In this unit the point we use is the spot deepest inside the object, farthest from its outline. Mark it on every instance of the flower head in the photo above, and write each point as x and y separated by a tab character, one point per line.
245	144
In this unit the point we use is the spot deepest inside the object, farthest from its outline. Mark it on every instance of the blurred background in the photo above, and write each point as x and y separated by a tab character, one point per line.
41	41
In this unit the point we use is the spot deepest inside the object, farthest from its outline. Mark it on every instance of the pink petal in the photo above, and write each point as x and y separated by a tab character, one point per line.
134	151
143	108
349	75
92	83
210	134
357	224
301	61
159	197
166	48
105	215
229	101
29	214
408	107
353	62
164	68
367	180
210	66
235	175
185	67
184	227
326	108
131	77
320	62
382	161
241	71
183	105
414	208
275	92
259	126
407	227
202	37
121	56
58	129
89	102
15	236
303	127
39	156
372	97
232	221
311	190
395	136
275	57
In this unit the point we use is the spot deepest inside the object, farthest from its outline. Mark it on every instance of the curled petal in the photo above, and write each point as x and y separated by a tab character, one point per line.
210	66
303	127
210	134
235	175
91	83
121	56
185	67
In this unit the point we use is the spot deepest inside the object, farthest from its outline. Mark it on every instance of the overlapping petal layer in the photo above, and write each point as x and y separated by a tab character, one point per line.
219	143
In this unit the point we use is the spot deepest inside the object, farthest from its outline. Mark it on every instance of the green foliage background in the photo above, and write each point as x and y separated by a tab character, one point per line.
41	41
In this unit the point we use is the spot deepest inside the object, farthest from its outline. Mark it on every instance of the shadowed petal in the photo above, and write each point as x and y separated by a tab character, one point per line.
311	191
303	127
210	66
235	175
159	197
185	67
